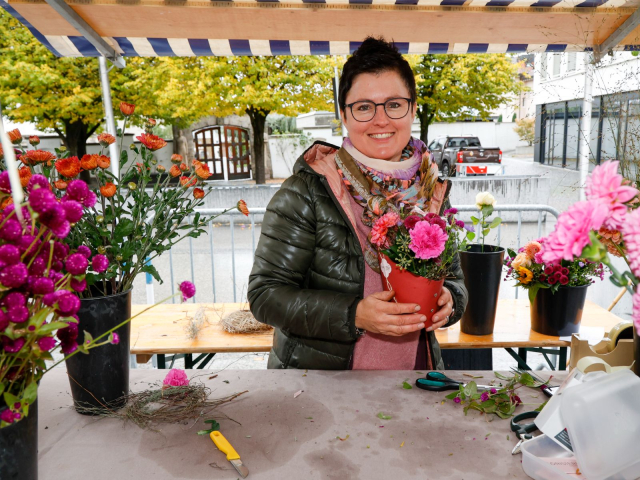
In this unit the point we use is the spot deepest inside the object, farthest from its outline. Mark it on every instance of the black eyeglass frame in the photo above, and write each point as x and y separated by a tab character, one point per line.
350	105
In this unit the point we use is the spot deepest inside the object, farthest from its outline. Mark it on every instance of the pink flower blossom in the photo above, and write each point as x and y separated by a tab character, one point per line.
411	221
631	233
427	241
46	343
9	254
571	234
381	227
636	311
176	378
187	289
77	264
84	250
457	400
116	339
606	186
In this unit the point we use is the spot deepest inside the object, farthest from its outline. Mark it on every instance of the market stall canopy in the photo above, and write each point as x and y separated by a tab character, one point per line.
303	27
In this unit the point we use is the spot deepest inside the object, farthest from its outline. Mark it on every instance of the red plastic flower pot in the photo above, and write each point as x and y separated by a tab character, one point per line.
411	288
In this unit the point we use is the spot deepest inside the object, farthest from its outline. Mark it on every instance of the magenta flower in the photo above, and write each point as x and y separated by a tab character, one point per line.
14	299
11	230
41	200
636	311
46	343
434	219
411	221
450	211
116	339
77	190
607	186
7	415
99	263
60	250
176	378
77	264
484	397
53	216
72	210
4	321
68	347
12	346
571	234
427	241
42	286
18	314
68	304
188	290
493	391
14	275
457	400
459	223
61	230
9	254
90	200
69	334
84	251
38	180
5	185
78	285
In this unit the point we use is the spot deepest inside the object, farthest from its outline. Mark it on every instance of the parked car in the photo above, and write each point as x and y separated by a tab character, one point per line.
463	155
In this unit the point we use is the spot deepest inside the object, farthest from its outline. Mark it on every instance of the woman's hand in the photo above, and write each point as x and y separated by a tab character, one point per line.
441	317
378	314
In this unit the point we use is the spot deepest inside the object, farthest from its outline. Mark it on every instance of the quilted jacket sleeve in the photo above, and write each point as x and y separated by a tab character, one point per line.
277	293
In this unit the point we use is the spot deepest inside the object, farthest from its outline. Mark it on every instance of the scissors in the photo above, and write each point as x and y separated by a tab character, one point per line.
438	382
523	430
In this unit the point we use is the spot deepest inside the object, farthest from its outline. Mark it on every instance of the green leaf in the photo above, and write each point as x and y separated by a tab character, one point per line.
487	210
526	379
10	399
533	291
471	236
382	416
496	221
501	377
123	229
486	231
512	253
539	409
30	393
474	220
470	388
152	270
406	385
51	327
451	396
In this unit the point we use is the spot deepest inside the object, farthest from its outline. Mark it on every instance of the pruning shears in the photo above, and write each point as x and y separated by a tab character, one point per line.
439	382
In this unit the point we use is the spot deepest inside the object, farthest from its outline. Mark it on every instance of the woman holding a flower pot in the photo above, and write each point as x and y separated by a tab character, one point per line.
316	276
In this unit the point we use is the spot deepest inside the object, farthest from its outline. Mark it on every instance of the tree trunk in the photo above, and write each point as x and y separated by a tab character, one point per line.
75	139
425	121
258	121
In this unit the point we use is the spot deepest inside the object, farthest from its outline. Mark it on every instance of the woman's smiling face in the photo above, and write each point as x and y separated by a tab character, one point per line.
381	137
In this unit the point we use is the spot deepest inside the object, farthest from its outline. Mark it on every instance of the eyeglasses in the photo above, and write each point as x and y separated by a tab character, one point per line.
365	110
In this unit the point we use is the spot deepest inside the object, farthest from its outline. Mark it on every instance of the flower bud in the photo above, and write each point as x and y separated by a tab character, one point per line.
100	219
132	146
132	185
102	250
119	258
34	140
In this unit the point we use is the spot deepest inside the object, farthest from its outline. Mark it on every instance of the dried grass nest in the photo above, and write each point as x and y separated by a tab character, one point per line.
243	321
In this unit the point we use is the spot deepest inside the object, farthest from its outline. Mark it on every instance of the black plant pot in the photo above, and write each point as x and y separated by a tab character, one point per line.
101	378
636	344
19	447
482	276
558	314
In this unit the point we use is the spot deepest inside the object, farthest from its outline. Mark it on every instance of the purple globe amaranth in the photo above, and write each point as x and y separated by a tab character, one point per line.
187	289
18	314
68	347
68	334
5	184
116	339
77	190
99	263
12	346
14	299
62	230
78	285
42	285
39	180
57	265
68	304
29	245
14	275
90	200
11	230
55	276
54	216
60	251
4	321
46	343
38	266
41	200
6	415
84	250
9	254
77	264
73	211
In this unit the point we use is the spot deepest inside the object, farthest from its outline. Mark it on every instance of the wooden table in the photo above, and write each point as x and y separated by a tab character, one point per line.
281	437
162	331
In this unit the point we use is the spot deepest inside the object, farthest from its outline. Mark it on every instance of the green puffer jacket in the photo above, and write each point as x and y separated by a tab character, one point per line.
308	277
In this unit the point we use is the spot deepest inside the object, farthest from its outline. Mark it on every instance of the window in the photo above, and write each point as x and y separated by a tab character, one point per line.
557	59
572	60
544	73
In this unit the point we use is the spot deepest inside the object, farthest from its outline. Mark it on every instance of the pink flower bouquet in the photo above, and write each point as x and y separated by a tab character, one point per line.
611	206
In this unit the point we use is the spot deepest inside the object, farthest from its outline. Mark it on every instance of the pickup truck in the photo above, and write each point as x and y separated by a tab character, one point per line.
463	155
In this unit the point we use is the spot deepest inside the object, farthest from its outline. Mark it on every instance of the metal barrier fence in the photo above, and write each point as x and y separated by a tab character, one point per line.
519	209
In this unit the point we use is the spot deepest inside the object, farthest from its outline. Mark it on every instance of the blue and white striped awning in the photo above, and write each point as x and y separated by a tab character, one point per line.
327	27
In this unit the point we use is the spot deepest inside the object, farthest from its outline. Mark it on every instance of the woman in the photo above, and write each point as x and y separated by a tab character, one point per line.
315	275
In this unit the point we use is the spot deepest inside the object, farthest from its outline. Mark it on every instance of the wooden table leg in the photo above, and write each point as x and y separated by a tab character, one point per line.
143	358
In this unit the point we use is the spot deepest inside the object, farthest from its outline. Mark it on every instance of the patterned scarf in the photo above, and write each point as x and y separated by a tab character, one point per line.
381	186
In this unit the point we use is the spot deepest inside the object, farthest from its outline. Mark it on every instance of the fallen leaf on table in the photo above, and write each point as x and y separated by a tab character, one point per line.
488	434
507	437
298	393
382	416
368	446
402	444
212	377
450	454
472	376
420	373
342	439
247	436
225	381
304	374
308	418
406	385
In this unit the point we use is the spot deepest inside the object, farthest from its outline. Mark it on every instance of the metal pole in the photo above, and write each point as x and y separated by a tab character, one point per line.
585	126
108	113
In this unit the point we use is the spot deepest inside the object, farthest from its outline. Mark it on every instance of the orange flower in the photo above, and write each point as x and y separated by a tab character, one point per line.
198	193
34	140
161	169
202	171
6	202
37	156
195	163
152	142
68	167
127	108
106	139
151	122
175	158
103	161
1	153
183	167
175	171
89	162
108	190
242	207
15	136
25	176
187	182
60	184
141	166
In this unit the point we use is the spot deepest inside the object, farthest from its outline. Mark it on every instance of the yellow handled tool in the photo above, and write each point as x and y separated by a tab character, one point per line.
225	447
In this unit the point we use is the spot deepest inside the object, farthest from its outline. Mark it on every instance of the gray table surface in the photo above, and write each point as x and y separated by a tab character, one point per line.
277	440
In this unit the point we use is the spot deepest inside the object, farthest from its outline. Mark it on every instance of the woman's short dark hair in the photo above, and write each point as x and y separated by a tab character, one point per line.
375	55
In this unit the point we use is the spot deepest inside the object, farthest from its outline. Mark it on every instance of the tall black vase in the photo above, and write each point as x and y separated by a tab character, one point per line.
558	314
482	269
101	378
19	447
